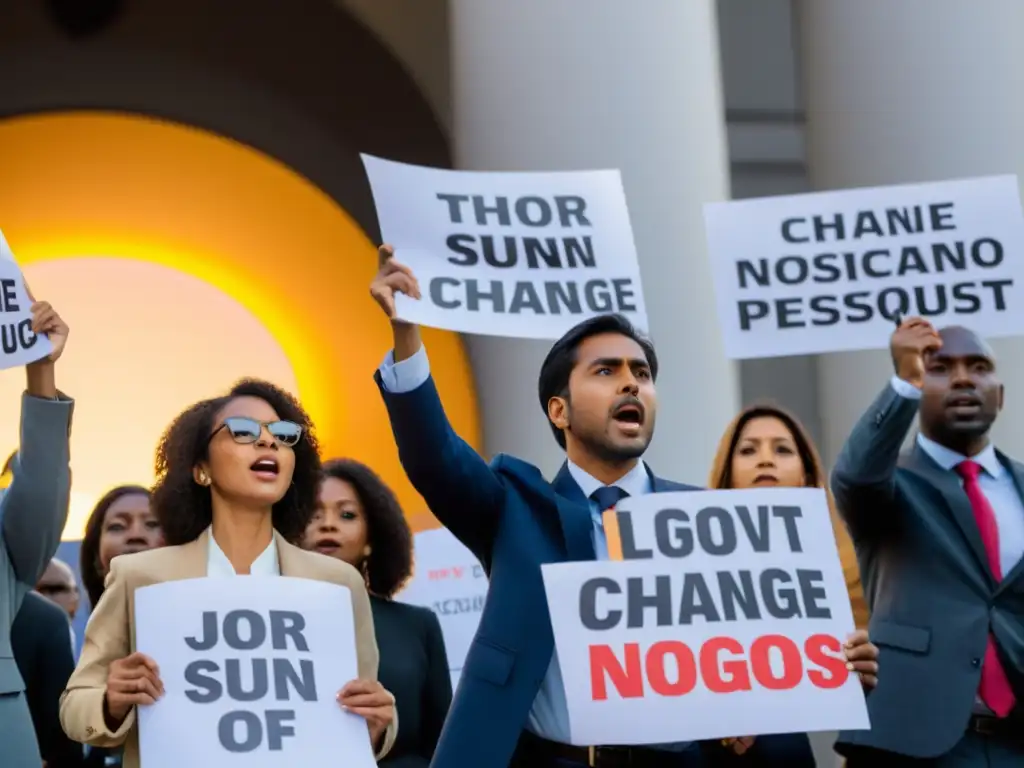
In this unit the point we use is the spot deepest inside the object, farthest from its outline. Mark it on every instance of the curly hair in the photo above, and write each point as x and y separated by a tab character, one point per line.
89	551
184	507
387	532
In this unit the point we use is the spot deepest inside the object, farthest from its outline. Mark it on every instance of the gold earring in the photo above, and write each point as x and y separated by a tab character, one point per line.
204	479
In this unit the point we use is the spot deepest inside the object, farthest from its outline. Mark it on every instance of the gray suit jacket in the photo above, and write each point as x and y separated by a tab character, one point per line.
932	595
33	511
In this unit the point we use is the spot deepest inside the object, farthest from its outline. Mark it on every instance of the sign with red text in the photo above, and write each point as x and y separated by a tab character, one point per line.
527	255
450	581
722	613
831	271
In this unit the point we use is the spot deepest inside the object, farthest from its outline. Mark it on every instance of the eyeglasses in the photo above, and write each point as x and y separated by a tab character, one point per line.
245	430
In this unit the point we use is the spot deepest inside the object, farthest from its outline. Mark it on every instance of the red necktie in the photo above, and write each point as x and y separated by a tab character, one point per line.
995	688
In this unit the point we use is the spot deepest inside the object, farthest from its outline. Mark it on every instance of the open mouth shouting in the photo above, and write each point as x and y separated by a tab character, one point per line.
265	468
629	416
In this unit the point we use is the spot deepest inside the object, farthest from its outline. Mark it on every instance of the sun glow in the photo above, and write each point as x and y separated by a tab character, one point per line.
182	261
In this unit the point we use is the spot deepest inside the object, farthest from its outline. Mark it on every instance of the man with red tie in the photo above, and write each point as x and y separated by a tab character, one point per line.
940	537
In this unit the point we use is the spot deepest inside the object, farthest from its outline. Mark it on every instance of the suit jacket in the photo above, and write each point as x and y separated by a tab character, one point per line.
42	651
414	667
514	521
33	511
110	633
932	595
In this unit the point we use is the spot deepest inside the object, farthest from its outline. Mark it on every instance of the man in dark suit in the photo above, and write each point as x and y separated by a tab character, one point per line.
597	388
939	535
39	639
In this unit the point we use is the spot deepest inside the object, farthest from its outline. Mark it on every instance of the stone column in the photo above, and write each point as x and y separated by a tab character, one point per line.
544	85
917	90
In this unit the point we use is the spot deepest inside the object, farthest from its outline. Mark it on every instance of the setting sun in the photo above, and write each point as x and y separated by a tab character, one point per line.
182	261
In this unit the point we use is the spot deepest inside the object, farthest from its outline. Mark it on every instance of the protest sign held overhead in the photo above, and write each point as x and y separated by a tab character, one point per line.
451	582
509	254
251	668
720	613
830	271
19	344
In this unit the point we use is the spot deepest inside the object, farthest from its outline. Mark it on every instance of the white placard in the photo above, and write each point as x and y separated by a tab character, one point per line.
450	581
509	254
726	618
251	668
19	345
829	271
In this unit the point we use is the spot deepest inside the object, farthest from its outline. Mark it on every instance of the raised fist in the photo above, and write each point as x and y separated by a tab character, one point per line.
908	346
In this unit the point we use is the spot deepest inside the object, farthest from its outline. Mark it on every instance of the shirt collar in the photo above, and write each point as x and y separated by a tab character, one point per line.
218	564
948	459
636	482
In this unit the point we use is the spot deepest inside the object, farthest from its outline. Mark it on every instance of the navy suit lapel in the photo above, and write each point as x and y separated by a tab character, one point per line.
1017	473
574	515
947	483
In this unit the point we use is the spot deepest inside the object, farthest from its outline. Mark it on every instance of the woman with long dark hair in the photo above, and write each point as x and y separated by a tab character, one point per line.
359	521
237	480
121	523
766	447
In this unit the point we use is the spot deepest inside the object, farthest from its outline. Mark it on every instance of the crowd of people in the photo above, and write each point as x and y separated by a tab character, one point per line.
936	535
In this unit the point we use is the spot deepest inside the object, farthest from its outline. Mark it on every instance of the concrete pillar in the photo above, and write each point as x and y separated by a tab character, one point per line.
567	85
918	90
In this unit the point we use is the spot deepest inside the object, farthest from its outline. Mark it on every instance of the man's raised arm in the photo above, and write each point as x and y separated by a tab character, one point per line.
458	485
34	508
864	477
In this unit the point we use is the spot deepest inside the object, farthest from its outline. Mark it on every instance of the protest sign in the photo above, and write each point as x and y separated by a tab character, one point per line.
19	345
830	271
725	616
509	254
450	581
251	668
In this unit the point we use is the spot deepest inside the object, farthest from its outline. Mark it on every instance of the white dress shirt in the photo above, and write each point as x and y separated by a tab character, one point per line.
217	563
549	715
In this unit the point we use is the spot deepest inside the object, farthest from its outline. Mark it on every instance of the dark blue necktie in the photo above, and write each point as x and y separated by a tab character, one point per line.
608	496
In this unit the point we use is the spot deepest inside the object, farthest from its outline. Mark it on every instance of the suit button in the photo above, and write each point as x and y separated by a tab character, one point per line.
878	418
975	662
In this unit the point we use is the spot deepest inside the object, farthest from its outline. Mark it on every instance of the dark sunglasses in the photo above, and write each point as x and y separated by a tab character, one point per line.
245	430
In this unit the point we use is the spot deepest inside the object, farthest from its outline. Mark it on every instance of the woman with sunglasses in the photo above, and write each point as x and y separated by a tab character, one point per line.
237	481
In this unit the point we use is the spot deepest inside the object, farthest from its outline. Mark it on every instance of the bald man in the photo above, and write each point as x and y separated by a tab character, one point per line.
939	535
58	583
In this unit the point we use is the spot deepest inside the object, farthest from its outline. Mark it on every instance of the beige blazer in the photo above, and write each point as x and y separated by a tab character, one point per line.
110	633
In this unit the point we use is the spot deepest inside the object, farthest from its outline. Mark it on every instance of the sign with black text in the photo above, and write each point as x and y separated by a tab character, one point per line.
830	271
509	254
721	613
251	668
19	344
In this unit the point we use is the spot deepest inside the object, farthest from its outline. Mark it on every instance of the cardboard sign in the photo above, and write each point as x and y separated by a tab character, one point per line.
830	271
251	667
725	615
509	254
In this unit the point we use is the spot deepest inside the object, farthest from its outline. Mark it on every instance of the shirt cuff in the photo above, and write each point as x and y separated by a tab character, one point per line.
407	375
905	389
